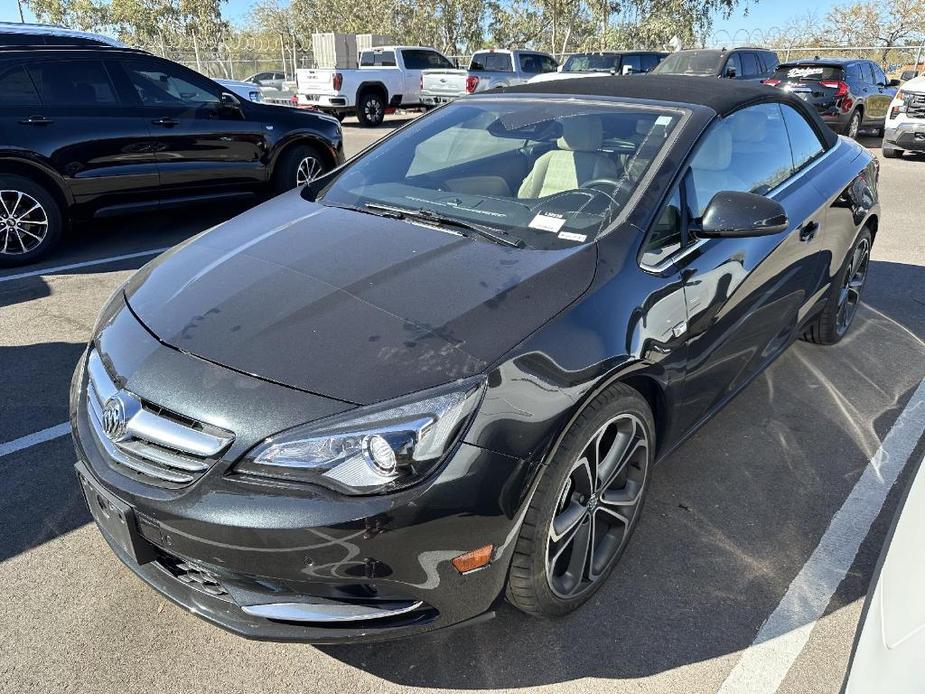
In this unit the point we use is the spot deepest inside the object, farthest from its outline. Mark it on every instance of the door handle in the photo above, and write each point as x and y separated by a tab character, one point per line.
165	122
36	120
808	231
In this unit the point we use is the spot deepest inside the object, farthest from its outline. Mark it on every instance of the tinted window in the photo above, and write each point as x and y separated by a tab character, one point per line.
748	151
17	39
879	76
530	63
649	61
491	62
804	142
548	63
853	72
750	67
161	84
73	83
768	60
425	60
632	61
666	236
734	63
16	89
807	72
867	74
592	62
377	58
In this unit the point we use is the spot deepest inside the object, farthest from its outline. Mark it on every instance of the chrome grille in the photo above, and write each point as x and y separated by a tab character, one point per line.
155	444
916	107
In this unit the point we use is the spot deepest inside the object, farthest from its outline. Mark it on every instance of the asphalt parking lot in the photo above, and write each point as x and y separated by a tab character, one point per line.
736	528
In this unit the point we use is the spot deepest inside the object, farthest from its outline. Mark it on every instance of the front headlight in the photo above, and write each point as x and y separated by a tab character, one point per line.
372	449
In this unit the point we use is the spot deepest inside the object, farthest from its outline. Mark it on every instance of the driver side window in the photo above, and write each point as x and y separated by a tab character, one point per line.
157	85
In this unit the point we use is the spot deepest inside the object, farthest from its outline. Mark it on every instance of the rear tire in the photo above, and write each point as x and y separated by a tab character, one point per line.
891	152
30	221
597	476
297	166
853	129
843	297
370	109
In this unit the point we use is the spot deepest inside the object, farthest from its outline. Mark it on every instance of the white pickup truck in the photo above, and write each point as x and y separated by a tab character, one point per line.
388	77
490	68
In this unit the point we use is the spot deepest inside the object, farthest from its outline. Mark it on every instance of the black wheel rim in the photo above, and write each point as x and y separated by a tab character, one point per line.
597	506
23	223
850	294
373	109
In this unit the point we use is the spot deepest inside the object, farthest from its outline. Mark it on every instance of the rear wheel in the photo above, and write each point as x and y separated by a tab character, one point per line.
585	507
854	125
30	220
370	109
844	296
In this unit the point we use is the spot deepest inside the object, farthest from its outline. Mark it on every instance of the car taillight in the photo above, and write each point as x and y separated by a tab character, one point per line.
770	82
337	81
471	83
841	88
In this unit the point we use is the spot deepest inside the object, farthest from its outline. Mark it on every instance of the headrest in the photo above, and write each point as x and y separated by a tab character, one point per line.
749	126
581	134
715	153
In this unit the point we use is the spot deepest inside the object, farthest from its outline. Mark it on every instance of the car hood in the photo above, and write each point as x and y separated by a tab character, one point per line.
348	305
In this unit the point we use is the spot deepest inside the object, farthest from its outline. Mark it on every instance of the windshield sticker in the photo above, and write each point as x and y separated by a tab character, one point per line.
805	72
663	120
547	222
570	236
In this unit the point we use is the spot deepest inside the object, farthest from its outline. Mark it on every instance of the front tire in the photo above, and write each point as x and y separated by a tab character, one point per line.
298	166
30	221
891	152
585	507
844	296
370	109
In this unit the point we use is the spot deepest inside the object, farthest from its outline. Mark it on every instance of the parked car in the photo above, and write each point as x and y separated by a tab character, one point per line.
442	374
904	128
12	34
246	90
849	94
610	62
487	69
88	132
273	80
737	63
388	77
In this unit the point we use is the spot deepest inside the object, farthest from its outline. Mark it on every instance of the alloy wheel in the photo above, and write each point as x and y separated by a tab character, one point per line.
23	222
854	126
309	169
597	506
373	109
850	295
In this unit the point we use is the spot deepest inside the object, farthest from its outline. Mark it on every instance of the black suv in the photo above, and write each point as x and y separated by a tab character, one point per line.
849	94
613	62
88	132
736	63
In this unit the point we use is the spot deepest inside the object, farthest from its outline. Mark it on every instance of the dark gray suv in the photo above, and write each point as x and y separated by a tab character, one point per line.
736	63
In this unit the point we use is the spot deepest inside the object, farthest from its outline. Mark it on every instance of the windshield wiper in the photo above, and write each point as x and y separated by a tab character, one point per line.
428	215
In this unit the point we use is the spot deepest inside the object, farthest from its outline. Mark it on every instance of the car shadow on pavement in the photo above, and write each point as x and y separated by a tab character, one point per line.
731	517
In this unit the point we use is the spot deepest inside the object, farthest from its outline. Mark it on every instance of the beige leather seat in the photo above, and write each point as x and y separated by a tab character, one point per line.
576	160
712	170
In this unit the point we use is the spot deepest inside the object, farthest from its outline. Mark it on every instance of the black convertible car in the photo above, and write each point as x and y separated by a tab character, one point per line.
441	374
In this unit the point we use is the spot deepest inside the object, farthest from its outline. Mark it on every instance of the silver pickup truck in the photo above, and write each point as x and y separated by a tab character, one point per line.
487	69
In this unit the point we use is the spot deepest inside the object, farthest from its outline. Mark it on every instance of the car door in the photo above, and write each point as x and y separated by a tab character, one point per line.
733	67
746	297
881	95
751	68
87	131
868	91
206	147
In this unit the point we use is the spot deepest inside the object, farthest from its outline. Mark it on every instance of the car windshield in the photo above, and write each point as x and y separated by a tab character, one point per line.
592	62
542	174
691	63
808	72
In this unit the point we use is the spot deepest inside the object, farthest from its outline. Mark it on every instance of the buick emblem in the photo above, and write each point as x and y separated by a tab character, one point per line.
114	418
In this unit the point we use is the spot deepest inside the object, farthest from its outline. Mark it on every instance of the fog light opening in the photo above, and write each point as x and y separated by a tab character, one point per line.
474	560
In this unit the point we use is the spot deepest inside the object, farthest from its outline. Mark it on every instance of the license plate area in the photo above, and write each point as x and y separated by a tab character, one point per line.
115	518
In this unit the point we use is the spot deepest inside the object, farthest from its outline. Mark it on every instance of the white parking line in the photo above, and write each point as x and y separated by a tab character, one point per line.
35	438
85	263
764	665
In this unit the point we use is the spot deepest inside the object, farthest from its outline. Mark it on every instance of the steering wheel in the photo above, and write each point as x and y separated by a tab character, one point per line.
599	184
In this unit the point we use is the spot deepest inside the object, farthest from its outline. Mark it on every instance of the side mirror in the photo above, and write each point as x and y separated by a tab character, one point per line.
730	72
732	214
894	83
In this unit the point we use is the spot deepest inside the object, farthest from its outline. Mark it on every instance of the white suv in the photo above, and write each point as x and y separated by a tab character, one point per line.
905	120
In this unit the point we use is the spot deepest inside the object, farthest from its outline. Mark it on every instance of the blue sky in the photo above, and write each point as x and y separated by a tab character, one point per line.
761	15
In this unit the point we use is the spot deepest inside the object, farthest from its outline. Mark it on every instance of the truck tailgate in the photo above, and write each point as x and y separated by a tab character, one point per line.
315	81
444	82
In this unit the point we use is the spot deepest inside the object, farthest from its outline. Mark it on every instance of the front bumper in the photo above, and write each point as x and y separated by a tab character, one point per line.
226	542
907	135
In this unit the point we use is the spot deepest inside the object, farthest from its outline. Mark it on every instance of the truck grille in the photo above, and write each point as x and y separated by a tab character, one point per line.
143	440
916	107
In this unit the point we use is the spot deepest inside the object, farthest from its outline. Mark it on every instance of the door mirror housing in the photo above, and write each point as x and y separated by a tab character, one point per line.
733	214
229	100
894	83
730	72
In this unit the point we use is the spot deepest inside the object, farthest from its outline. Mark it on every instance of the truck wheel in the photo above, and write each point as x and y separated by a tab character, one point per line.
370	109
30	220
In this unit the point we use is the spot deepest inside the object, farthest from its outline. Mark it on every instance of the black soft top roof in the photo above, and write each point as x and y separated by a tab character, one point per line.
721	95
